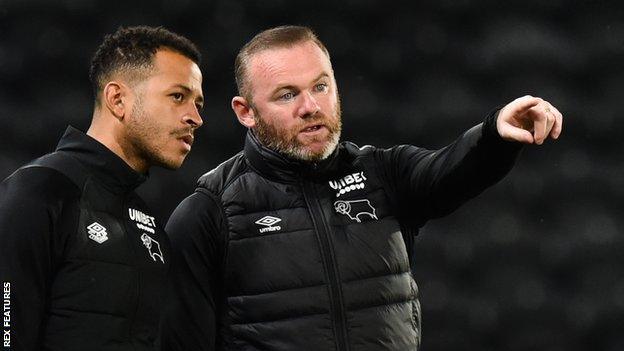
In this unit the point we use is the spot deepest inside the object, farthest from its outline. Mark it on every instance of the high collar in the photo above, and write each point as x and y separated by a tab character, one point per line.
100	161
276	166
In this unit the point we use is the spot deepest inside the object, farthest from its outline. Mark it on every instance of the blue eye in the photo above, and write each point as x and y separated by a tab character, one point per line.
287	96
320	87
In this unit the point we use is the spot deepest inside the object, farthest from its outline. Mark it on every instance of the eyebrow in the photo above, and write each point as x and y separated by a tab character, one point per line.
292	87
188	91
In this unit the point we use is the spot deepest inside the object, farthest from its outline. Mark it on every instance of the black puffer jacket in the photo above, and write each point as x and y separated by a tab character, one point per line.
274	254
84	259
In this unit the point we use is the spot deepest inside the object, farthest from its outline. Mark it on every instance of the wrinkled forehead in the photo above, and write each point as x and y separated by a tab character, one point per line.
298	62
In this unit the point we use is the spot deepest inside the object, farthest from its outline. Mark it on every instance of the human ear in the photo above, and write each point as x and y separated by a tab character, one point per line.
114	97
244	112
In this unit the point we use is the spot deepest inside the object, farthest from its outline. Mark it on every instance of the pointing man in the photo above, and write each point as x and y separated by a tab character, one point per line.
300	242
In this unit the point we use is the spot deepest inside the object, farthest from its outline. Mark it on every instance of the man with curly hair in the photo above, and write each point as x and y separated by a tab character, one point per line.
82	260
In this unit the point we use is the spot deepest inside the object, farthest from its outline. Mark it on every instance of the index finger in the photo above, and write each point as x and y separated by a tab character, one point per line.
521	105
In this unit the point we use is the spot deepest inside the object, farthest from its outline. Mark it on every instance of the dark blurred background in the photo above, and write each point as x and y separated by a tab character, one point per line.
534	263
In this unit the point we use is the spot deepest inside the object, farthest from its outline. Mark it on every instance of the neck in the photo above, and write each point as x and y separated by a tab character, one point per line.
110	135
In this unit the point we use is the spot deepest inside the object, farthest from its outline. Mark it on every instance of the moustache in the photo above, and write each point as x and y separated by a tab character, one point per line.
332	124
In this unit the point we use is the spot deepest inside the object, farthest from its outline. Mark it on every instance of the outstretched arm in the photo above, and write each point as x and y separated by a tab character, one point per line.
433	183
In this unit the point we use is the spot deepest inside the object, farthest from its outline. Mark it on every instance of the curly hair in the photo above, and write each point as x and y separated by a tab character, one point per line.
131	51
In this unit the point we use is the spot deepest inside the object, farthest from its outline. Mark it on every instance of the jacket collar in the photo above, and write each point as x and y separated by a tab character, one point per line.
99	161
276	166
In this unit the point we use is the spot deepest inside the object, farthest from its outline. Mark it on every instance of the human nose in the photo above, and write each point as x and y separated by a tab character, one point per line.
309	106
193	118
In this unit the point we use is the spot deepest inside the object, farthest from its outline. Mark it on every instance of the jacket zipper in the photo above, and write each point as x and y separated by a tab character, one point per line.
327	254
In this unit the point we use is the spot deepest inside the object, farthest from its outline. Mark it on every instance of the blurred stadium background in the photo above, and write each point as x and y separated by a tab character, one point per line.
535	263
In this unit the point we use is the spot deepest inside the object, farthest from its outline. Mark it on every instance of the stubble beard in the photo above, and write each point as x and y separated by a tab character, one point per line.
286	142
143	137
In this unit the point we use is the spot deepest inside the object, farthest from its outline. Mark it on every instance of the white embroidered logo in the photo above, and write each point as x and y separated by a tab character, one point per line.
356	208
153	247
97	232
348	183
268	222
143	221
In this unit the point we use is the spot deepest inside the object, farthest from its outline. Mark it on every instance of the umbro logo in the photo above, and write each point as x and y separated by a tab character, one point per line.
268	222
97	232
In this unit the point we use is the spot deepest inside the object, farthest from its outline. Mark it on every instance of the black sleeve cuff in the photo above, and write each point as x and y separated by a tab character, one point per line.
491	136
489	124
490	130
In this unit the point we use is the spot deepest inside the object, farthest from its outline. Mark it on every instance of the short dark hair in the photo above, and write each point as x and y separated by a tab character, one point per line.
277	37
131	50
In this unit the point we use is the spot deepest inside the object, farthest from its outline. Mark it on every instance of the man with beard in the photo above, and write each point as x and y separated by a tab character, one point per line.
82	256
301	243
